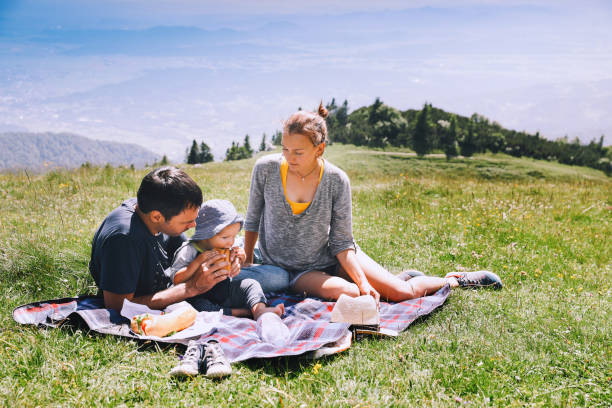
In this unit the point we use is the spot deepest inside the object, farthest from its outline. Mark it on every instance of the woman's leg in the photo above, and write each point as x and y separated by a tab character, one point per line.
323	285
393	288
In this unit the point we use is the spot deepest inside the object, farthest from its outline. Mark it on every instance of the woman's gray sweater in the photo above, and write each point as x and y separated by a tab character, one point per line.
306	241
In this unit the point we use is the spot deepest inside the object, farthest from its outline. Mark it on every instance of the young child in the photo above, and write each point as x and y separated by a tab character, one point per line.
217	226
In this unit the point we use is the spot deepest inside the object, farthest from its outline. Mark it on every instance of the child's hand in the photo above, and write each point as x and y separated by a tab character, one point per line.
237	252
235	270
237	256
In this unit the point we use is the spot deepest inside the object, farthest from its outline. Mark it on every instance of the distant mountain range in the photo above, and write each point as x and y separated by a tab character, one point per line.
40	151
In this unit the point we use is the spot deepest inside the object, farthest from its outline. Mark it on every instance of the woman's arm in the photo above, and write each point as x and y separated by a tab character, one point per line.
341	223
254	210
341	241
348	261
250	238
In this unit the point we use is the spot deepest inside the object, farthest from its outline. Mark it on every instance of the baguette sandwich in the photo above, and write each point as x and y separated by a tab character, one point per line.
165	324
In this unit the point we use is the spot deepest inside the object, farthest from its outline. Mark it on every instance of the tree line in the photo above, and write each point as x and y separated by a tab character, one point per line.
200	153
431	129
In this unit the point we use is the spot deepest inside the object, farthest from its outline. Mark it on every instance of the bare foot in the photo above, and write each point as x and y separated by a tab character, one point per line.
261	308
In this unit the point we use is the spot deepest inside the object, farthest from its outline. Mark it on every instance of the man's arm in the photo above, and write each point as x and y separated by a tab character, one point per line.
157	300
208	275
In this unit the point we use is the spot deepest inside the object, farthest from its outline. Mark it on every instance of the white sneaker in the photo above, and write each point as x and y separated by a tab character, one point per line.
214	361
190	363
478	279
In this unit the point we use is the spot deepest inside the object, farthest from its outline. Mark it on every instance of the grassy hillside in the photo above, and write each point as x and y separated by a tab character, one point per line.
543	340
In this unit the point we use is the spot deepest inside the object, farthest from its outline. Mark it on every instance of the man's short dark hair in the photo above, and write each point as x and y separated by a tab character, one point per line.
168	190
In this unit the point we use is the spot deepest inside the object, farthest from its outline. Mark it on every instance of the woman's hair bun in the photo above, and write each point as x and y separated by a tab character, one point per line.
322	111
311	124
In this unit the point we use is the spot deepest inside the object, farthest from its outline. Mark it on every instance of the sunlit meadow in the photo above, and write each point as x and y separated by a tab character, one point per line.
544	340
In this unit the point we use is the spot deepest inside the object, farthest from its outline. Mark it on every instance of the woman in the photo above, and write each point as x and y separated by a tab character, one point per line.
300	209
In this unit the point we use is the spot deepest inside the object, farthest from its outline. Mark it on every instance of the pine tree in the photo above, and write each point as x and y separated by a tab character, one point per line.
374	114
468	143
423	132
164	161
340	124
331	121
205	154
237	152
230	154
600	148
194	153
248	150
262	145
342	115
277	138
449	139
379	121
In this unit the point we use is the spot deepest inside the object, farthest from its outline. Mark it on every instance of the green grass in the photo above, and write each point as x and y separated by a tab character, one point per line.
544	340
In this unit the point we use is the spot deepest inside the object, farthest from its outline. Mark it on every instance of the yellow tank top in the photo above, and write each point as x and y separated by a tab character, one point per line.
296	208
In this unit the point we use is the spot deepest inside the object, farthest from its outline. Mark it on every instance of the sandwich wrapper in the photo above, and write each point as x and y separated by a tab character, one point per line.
205	322
361	312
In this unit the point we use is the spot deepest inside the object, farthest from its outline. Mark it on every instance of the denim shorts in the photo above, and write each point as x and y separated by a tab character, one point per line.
276	279
330	270
271	278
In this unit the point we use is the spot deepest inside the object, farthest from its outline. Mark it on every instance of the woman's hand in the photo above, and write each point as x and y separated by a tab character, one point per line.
366	289
350	265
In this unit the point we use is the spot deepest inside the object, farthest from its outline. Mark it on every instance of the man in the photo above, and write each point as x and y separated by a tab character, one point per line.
136	243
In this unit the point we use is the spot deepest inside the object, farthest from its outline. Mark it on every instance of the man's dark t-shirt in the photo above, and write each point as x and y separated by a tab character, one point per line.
127	258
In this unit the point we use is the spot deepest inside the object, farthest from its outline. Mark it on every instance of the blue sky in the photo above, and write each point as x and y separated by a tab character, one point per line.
161	73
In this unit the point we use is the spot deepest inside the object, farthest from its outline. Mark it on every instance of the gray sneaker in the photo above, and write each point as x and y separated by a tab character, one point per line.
478	279
409	274
214	363
190	363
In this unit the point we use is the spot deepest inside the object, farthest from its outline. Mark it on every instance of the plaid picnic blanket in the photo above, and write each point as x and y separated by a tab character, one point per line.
308	320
